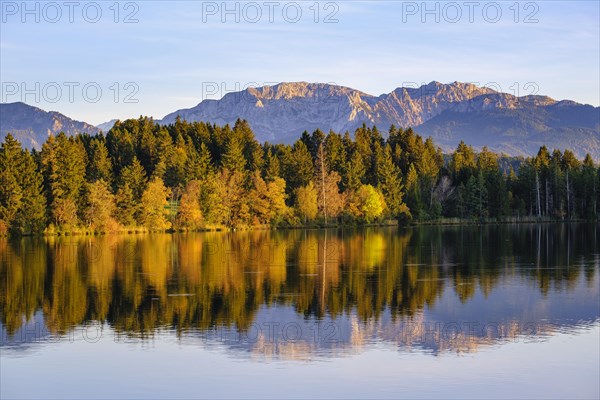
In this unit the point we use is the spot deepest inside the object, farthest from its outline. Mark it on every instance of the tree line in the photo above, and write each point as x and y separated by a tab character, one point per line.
187	176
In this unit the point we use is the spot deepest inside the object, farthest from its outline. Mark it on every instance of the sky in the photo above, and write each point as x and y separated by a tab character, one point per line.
95	61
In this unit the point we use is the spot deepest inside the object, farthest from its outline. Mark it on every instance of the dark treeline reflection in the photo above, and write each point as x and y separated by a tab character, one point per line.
198	281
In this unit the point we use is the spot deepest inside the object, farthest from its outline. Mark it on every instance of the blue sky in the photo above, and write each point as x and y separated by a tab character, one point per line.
178	53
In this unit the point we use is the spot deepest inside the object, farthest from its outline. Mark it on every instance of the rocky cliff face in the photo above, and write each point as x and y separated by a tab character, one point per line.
32	126
448	112
284	108
283	111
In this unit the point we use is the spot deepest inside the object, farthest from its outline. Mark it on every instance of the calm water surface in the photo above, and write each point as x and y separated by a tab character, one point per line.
492	311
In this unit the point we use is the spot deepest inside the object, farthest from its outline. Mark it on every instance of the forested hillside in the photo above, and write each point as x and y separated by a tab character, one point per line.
184	176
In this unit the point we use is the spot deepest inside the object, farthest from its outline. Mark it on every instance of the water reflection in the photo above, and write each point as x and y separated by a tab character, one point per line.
305	293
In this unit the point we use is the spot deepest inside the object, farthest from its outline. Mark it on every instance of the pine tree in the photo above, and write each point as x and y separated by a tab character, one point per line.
99	166
32	214
233	160
476	196
205	165
272	166
355	172
135	177
175	163
297	166
336	154
128	208
588	188
11	195
65	160
390	184
462	164
132	184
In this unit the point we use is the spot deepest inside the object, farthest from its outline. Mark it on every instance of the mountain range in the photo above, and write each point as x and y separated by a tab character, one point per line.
31	125
447	112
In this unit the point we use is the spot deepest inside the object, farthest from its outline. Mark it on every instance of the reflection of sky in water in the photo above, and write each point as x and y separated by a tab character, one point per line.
564	365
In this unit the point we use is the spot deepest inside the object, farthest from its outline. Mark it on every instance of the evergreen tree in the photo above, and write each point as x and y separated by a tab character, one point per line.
390	184
100	166
462	164
128	208
32	213
355	172
134	176
11	194
64	160
297	166
233	159
273	166
176	162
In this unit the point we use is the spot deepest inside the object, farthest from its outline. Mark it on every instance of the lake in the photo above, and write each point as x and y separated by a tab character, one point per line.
489	311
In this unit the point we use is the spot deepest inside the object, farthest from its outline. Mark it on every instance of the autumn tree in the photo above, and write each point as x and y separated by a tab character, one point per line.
100	207
306	202
266	199
371	203
330	201
189	214
154	203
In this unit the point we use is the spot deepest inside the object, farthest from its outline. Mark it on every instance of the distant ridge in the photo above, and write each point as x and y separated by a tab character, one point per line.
106	126
31	125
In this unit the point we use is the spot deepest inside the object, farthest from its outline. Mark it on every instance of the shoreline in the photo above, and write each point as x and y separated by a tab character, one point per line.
433	223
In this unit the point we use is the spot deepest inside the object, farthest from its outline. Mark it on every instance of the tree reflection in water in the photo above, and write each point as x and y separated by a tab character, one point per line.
390	284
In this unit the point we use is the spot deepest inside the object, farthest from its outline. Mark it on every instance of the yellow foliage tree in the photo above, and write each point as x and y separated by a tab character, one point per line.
154	202
371	203
189	215
306	202
101	206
